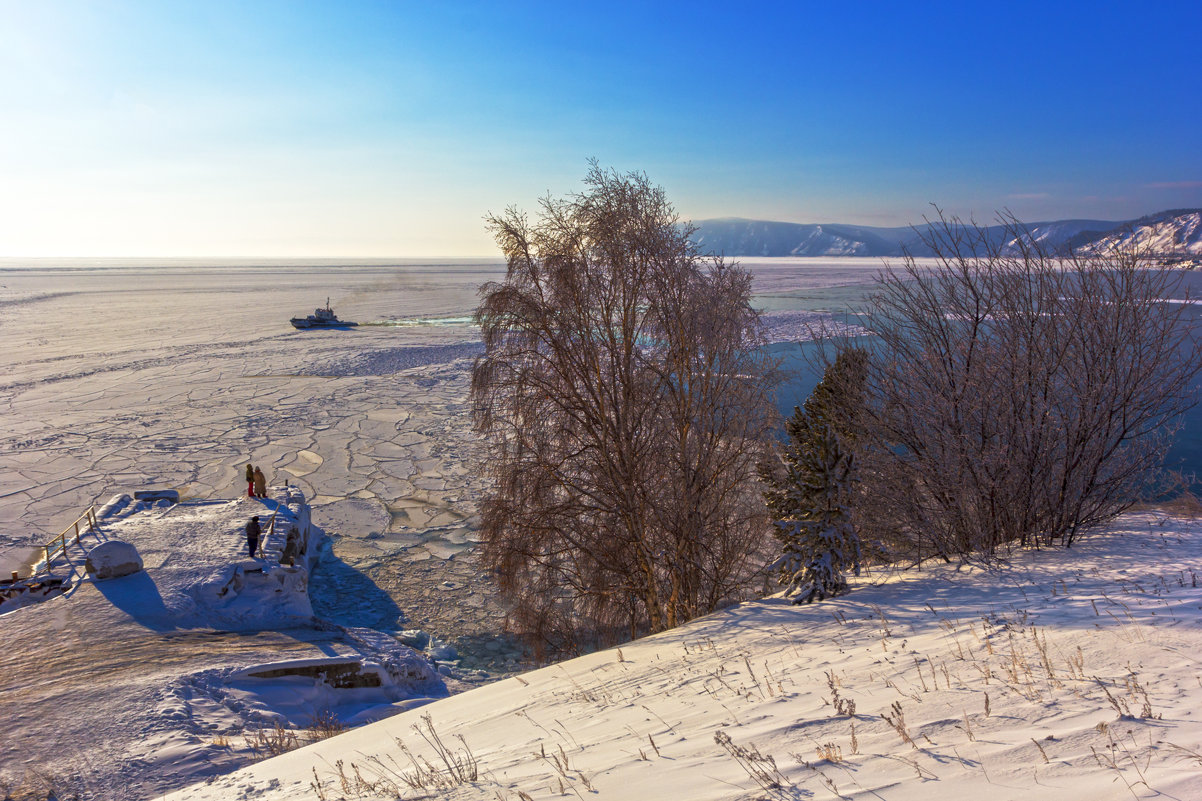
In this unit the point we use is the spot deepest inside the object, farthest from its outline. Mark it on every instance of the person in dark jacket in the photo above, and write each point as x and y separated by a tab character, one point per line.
252	535
250	481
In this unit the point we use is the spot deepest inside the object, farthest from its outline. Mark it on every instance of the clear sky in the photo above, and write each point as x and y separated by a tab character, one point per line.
390	128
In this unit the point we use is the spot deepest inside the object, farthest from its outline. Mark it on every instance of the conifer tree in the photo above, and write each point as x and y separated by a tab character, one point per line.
811	498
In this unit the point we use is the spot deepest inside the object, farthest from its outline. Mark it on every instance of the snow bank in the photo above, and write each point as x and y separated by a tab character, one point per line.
17	594
1067	676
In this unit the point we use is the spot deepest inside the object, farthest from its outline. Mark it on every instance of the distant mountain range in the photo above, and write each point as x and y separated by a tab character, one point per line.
1168	233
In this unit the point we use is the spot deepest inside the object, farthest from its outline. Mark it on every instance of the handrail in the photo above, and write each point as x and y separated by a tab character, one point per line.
51	550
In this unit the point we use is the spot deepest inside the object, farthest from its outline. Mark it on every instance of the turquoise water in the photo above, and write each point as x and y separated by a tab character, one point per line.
796	359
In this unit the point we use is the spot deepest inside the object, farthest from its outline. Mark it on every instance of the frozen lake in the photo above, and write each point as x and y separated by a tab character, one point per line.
117	375
127	374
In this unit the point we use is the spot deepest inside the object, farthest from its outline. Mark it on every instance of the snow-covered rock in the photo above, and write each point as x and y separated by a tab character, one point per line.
113	559
115	506
402	667
414	638
440	651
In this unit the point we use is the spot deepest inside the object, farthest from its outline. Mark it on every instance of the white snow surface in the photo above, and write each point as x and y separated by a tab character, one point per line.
129	377
1069	674
1179	235
148	681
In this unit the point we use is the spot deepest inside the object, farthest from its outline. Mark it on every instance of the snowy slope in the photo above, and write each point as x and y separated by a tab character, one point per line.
1168	233
739	237
1054	237
1069	675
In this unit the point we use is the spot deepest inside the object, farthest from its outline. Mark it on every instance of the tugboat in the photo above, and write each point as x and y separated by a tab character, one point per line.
321	318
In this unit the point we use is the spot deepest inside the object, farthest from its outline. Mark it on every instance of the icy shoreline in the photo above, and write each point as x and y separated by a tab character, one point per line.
190	658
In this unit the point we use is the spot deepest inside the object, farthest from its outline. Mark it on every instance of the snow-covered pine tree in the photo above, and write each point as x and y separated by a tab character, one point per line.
812	500
816	532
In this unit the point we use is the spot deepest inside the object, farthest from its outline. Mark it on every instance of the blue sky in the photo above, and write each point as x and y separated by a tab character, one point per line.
340	129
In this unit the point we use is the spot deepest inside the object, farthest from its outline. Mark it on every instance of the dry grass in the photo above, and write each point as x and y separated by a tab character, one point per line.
450	767
760	767
1187	505
37	785
324	725
897	719
265	743
843	706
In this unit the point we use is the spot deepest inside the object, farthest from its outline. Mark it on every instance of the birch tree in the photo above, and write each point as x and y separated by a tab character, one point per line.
625	401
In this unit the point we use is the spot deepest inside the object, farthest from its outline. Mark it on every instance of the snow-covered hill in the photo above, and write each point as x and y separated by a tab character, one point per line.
1167	233
1177	233
1071	675
739	237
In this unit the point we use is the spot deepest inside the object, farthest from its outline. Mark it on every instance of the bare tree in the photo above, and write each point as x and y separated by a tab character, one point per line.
1015	396
625	401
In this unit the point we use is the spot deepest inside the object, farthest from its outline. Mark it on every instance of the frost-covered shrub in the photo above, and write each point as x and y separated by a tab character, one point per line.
1016	396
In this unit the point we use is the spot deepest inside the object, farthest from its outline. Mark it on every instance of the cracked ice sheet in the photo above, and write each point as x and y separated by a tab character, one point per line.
140	378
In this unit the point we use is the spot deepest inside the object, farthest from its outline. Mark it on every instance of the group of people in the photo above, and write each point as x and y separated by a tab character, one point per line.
256	483
256	487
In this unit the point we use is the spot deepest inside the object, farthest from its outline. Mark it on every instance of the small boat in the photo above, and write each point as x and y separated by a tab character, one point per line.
321	318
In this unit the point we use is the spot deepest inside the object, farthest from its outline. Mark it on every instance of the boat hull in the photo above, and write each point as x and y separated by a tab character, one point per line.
301	322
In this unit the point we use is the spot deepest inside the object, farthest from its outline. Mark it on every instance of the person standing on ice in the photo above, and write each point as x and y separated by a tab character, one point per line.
252	535
250	481
260	483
